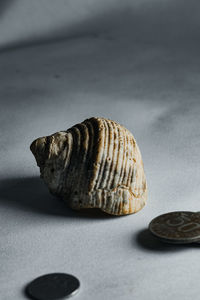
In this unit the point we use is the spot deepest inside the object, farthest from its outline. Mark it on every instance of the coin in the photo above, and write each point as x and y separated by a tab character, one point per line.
55	286
179	227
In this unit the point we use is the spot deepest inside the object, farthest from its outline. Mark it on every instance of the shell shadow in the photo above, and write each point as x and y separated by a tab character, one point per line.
147	241
32	196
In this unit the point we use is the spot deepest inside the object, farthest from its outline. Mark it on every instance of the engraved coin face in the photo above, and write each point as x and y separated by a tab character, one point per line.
179	227
54	286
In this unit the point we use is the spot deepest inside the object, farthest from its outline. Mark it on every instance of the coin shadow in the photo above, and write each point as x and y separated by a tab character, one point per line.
32	196
25	292
147	241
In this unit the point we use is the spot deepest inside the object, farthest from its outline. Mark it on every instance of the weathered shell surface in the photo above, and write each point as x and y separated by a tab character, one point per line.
94	164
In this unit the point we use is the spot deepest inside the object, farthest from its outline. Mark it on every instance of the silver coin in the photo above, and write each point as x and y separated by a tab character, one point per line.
55	286
179	227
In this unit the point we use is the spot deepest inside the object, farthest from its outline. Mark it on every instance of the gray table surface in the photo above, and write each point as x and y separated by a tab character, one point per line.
153	89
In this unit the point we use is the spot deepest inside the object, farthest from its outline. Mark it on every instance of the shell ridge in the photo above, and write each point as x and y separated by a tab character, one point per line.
114	185
114	154
124	172
122	166
131	169
131	162
138	179
98	156
117	157
82	157
128	162
109	158
68	145
88	158
73	161
104	156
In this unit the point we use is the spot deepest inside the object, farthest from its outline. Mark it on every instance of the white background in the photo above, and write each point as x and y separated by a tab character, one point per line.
136	63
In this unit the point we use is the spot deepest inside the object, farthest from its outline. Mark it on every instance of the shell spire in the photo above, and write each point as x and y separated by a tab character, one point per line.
94	164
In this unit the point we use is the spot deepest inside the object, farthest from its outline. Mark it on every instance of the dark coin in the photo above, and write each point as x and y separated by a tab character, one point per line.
179	227
54	286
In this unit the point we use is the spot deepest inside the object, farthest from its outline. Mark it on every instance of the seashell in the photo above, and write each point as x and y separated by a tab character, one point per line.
94	164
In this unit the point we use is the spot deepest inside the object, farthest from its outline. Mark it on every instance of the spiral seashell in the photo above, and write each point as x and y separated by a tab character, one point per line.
94	164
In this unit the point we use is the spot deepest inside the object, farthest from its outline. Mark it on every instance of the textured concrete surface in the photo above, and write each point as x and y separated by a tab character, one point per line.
146	79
